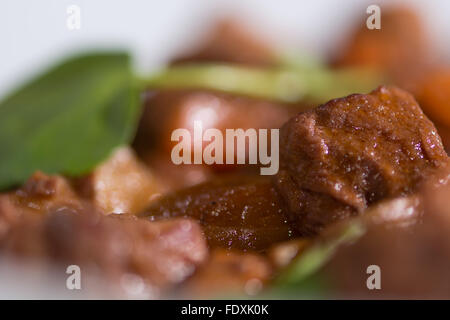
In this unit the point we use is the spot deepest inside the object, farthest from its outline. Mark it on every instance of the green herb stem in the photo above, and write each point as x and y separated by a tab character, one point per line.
316	85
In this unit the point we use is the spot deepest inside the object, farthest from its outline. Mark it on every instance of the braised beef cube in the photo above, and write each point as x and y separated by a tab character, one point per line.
238	212
352	152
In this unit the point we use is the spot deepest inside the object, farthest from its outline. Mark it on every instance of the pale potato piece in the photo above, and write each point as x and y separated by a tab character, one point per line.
122	184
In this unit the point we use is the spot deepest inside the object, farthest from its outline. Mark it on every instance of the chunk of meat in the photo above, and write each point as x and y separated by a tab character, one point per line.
229	272
232	42
414	261
239	212
42	193
39	194
160	254
122	184
352	152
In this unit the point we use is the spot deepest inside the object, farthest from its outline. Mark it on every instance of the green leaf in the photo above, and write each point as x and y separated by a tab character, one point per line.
68	119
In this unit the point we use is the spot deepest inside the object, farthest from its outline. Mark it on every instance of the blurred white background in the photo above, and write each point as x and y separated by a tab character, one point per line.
34	33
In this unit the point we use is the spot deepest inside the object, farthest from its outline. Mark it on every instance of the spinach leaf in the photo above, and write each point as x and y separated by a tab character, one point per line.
68	119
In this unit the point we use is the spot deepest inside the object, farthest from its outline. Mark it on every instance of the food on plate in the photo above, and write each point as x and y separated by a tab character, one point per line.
87	176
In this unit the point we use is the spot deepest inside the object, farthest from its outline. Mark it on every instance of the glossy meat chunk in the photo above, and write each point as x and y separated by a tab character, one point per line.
160	254
240	212
352	152
122	184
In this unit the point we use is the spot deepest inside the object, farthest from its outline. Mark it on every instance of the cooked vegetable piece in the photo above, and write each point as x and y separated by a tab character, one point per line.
433	94
231	41
172	177
122	184
401	47
168	110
